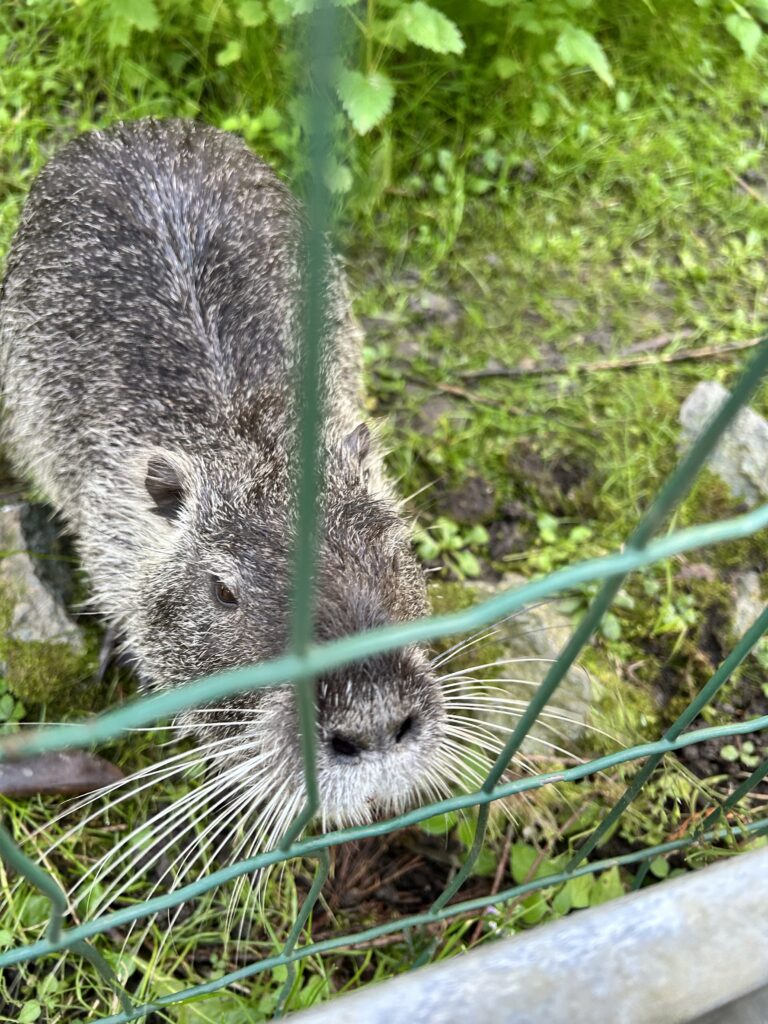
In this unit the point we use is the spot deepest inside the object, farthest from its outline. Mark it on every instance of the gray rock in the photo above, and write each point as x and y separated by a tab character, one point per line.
436	308
741	458
25	580
535	638
434	409
748	603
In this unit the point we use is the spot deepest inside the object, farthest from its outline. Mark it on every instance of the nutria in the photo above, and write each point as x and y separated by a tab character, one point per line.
150	326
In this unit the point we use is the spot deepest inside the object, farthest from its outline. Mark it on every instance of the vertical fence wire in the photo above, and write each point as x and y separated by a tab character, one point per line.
311	390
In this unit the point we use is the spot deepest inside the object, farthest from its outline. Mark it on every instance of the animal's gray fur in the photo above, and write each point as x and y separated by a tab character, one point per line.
149	328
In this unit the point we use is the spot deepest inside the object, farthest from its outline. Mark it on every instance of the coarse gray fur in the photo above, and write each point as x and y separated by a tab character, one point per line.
150	324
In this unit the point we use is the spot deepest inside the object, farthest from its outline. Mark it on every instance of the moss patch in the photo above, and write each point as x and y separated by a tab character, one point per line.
48	674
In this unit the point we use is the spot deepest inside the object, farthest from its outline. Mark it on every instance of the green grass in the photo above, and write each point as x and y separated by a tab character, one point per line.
613	220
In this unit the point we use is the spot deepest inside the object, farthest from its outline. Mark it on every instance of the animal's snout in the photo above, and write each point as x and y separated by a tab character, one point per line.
347	746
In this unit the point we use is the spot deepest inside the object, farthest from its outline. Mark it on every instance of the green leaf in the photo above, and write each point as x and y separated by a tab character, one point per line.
440	823
610	627
338	178
281	11
522	857
467	564
118	33
760	9
270	118
535	907
231	53
425	26
623	101
477	535
745	31
659	867
7	704
576	893
142	14
486	863
251	13
581	890
576	47
729	752
505	67
607	887
30	1012
561	904
367	99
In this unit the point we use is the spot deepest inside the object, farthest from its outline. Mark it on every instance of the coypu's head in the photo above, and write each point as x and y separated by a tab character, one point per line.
215	593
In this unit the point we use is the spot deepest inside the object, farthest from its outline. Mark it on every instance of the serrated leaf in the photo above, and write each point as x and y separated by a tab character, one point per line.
426	26
576	47
745	31
338	178
251	13
231	53
367	99
281	11
118	33
142	14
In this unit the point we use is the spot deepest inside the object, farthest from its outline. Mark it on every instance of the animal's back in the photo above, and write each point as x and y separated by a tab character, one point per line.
152	295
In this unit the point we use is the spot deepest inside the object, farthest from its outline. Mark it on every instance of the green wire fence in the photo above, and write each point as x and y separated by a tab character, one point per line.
306	660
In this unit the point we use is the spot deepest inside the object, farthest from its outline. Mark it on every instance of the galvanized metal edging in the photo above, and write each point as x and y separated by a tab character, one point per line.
665	955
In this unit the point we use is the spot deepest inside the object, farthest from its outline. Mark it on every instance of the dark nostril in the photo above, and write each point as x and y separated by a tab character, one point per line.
405	727
344	746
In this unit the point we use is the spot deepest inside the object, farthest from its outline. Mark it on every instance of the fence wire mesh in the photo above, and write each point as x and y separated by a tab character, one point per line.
305	660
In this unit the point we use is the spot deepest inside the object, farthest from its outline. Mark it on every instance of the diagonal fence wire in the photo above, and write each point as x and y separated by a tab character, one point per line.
306	660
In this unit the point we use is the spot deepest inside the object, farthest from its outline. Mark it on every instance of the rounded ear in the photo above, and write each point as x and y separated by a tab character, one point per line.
166	483
358	442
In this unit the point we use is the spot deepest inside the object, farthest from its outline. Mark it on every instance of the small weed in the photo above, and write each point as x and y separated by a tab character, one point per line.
452	546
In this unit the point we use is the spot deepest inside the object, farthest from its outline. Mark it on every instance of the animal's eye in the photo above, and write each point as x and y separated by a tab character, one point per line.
223	594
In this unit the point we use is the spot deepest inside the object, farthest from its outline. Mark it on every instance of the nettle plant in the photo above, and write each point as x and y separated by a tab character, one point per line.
384	29
525	42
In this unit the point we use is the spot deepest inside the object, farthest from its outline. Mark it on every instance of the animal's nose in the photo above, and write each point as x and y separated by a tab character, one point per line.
344	746
350	747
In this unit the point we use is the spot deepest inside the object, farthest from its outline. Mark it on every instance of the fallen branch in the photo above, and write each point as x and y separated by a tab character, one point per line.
682	356
746	186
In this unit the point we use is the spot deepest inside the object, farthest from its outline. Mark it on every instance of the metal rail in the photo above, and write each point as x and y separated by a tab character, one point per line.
666	955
